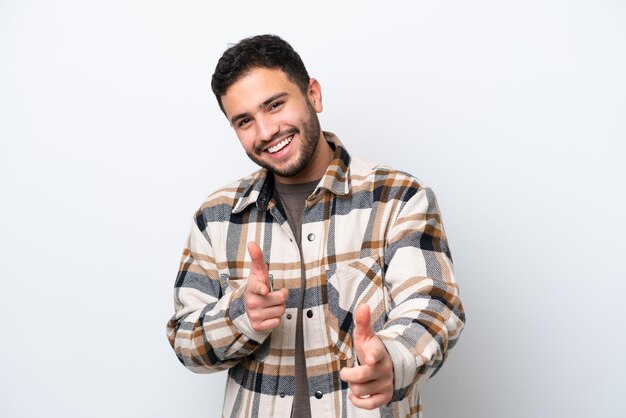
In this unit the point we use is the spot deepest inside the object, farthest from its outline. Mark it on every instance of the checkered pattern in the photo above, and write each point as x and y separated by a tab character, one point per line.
370	234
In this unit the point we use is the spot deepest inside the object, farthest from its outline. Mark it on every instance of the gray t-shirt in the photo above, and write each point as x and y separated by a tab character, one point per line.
293	198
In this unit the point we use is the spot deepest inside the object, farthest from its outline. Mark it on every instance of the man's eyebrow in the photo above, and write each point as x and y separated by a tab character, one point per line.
271	99
265	103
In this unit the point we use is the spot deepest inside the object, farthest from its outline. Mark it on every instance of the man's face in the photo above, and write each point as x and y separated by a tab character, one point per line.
276	123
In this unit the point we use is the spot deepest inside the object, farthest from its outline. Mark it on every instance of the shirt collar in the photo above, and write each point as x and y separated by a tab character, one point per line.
259	187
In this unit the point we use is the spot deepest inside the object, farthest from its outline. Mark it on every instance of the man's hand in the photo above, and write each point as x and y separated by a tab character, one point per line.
371	382
264	307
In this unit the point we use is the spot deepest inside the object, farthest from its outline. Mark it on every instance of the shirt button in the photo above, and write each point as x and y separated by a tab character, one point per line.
309	314
281	394
288	316
318	394
310	237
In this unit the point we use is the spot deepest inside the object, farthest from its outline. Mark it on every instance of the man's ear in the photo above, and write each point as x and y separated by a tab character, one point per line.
314	94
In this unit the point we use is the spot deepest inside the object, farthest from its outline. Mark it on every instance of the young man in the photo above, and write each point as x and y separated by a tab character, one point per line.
323	282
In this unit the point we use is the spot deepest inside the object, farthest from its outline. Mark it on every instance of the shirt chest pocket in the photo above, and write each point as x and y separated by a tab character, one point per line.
229	283
360	281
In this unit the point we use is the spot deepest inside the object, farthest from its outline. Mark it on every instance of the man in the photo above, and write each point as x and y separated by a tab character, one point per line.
323	282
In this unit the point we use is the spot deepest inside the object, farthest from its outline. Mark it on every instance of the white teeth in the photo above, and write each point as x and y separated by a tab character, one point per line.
280	145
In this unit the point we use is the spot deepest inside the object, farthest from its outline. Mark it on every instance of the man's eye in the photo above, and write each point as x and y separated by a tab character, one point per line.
243	122
276	105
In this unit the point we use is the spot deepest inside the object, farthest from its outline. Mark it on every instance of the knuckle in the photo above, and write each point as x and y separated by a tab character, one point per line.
250	306
252	303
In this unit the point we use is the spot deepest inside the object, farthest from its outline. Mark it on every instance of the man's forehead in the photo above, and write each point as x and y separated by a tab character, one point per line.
258	77
254	88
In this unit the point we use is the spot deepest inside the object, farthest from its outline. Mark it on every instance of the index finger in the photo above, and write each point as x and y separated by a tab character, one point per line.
258	269
256	256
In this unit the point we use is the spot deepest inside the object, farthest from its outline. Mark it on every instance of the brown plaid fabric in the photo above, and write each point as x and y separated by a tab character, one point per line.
370	234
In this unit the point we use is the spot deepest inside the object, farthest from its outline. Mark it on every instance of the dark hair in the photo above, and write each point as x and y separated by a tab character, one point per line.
265	51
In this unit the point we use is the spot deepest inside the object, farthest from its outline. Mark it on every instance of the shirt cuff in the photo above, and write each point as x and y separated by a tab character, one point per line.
404	364
239	317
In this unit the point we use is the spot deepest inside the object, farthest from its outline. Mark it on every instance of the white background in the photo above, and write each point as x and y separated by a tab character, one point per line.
110	138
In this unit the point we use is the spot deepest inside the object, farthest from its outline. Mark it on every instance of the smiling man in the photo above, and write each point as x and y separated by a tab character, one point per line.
322	282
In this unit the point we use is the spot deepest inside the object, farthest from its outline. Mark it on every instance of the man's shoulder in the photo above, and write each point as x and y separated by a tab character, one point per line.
365	173
225	198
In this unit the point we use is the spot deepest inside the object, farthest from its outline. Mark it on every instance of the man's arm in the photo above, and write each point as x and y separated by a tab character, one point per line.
426	315
211	329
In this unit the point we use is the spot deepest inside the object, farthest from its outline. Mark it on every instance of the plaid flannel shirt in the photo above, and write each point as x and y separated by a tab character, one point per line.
370	234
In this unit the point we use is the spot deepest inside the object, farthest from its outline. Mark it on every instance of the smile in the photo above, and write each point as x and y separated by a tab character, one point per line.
282	144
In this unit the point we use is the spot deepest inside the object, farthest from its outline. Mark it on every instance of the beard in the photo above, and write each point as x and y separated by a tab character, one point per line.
309	138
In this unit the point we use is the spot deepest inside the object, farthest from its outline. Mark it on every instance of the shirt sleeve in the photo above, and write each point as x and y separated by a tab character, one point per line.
210	330
426	316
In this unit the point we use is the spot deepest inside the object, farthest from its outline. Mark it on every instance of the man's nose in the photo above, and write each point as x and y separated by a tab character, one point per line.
266	128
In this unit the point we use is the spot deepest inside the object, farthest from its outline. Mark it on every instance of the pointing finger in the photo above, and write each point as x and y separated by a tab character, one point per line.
256	255
258	269
363	327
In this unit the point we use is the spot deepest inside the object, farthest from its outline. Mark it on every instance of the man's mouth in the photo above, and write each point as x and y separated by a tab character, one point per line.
282	144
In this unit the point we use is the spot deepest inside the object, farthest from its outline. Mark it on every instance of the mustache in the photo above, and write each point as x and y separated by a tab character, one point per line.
287	132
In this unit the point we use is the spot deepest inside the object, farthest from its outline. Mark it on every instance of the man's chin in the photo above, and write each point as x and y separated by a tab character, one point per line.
285	171
289	168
